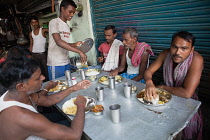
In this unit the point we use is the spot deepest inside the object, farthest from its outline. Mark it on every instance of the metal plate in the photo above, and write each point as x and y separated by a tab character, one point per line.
92	72
164	97
104	79
62	85
70	103
88	44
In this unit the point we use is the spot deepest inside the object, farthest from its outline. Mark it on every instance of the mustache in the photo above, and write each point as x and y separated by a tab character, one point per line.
176	55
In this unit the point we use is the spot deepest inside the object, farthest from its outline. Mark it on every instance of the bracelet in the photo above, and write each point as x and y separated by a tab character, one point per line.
148	80
81	105
45	90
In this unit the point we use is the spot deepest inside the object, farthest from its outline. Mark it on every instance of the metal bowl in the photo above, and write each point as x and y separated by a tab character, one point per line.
97	112
92	78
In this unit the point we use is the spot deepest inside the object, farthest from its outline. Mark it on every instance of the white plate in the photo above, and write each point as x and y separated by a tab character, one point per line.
70	103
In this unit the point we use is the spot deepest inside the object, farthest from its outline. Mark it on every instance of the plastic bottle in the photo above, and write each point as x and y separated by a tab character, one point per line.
74	80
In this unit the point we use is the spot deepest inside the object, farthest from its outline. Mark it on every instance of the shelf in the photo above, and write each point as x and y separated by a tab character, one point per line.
49	15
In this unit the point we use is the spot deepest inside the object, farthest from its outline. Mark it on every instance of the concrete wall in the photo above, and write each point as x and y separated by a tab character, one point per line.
82	29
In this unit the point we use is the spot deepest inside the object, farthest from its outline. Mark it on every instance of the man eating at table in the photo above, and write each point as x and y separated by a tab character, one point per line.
22	77
135	56
182	69
111	50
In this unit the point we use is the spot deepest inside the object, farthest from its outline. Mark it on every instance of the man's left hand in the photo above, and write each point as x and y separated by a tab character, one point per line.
82	84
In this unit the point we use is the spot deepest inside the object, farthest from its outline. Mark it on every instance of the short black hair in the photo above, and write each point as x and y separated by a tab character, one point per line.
66	3
187	36
33	18
108	27
16	70
17	52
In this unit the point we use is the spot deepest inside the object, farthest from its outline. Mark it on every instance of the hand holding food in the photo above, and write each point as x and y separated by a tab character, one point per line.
150	91
114	72
51	84
80	100
163	97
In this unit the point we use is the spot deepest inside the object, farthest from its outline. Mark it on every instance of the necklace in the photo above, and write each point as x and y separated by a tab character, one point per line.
33	104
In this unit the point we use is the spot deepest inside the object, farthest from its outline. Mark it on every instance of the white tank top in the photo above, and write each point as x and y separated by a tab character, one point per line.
7	104
131	69
38	42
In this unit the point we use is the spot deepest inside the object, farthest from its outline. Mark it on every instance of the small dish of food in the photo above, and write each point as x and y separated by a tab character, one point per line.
93	78
97	110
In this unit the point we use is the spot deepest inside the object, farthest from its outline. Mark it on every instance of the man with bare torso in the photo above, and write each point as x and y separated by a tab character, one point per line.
182	69
22	77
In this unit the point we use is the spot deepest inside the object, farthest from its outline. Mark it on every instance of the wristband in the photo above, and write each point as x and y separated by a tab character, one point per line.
148	80
81	105
45	90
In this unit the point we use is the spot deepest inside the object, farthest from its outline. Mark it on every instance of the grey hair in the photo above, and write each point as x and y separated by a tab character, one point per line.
132	31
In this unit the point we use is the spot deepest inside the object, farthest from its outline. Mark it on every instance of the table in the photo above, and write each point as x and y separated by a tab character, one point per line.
138	121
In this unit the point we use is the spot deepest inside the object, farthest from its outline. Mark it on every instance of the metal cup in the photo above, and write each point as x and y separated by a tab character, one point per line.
69	83
100	93
111	82
68	75
115	113
127	90
82	73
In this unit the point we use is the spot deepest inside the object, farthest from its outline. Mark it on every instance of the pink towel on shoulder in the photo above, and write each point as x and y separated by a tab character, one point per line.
139	50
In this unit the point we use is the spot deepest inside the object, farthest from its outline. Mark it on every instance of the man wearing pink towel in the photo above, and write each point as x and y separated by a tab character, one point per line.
135	55
182	69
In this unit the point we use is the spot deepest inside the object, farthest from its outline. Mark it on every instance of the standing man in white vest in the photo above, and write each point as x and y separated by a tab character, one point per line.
37	45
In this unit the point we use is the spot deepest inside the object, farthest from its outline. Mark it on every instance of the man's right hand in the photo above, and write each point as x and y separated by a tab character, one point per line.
83	57
150	91
51	84
100	59
114	72
80	100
